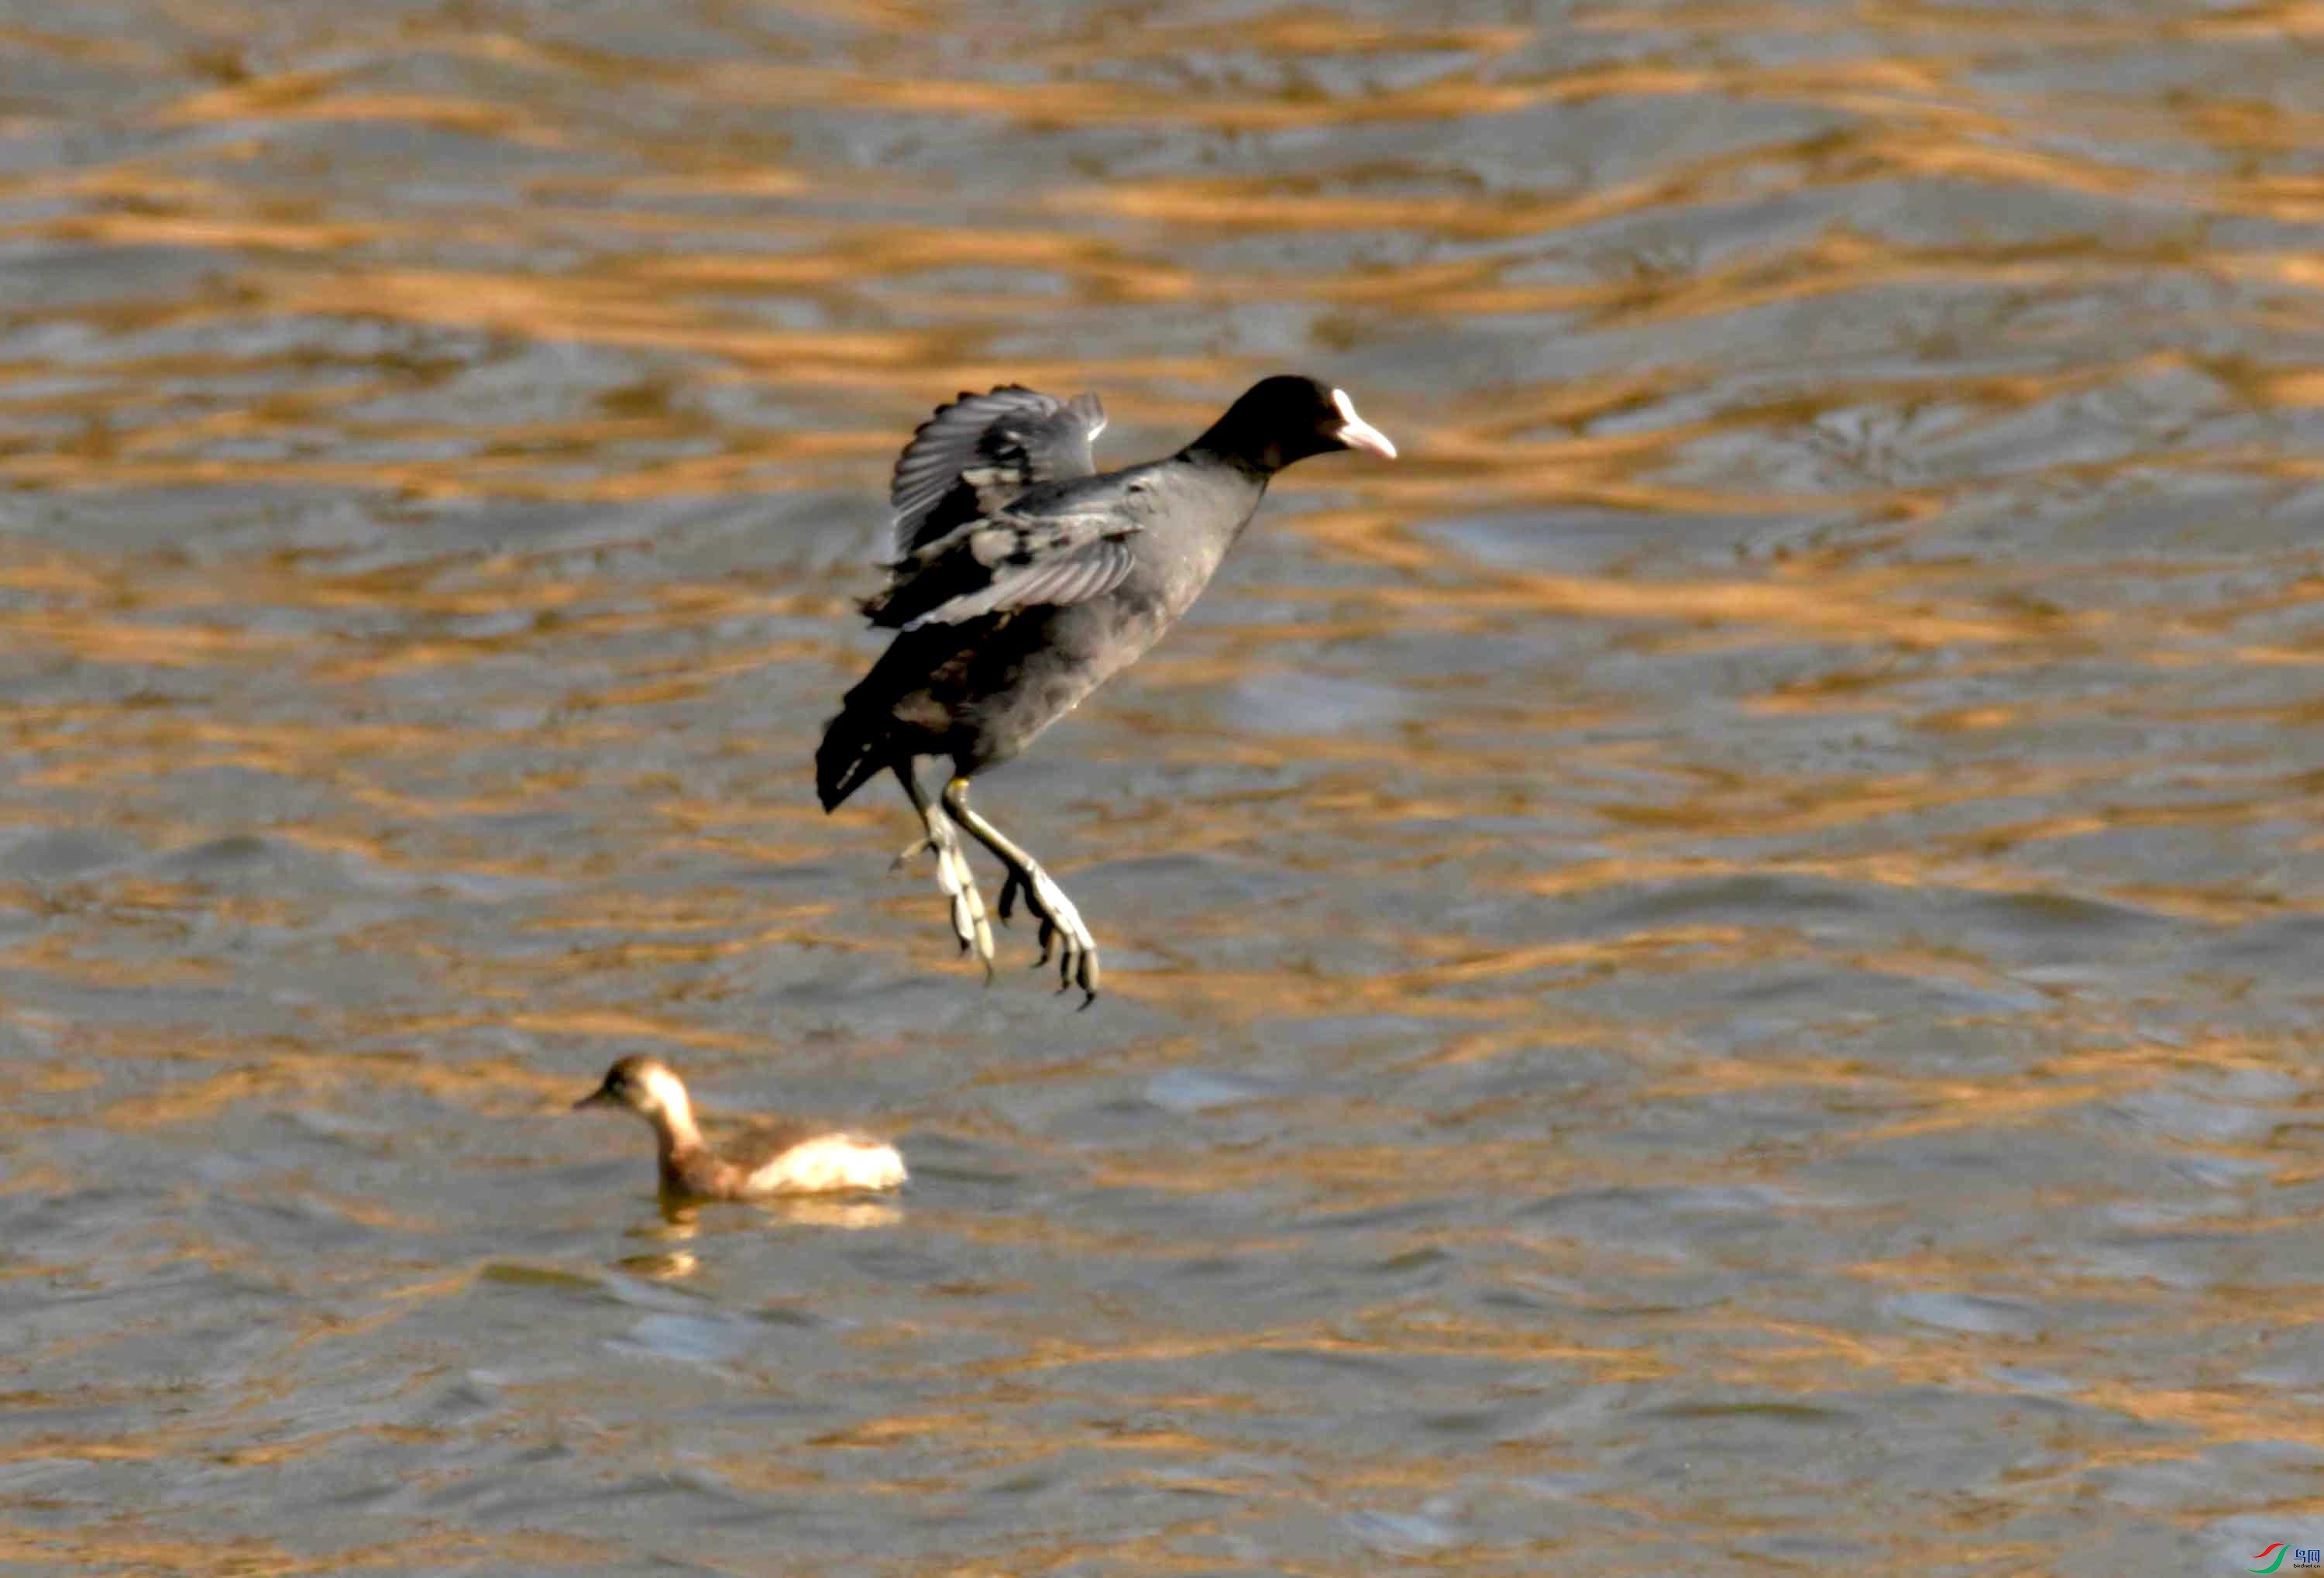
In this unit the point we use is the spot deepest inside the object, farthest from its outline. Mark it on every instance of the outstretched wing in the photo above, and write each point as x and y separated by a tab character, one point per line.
976	455
1006	561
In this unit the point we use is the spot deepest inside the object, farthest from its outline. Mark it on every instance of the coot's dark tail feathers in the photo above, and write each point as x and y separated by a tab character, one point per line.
853	751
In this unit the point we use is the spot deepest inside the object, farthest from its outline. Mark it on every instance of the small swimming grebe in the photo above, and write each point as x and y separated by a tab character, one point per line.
788	1159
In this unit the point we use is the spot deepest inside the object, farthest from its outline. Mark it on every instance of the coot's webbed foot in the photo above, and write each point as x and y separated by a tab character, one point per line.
952	875
1062	929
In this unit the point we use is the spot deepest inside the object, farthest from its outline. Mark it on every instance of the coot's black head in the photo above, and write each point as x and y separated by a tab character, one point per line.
1288	418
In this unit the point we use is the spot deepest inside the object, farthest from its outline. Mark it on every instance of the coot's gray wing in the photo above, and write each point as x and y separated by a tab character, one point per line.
1058	551
976	455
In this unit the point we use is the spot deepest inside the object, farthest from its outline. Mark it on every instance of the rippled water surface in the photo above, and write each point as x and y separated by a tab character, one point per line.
1716	970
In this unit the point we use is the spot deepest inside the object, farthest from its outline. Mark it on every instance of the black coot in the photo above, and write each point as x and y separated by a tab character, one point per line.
1023	580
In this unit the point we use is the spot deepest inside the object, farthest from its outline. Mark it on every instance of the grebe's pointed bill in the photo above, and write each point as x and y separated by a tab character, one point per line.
1357	433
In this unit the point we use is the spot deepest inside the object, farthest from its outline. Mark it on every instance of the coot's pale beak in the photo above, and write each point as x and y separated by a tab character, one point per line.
1357	433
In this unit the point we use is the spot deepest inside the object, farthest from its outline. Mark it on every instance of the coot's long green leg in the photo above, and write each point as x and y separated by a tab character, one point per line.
1061	923
952	875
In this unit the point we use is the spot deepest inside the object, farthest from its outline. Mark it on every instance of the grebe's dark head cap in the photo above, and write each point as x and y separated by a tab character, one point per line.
630	1083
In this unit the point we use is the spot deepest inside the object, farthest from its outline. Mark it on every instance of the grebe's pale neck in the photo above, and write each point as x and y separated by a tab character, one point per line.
666	1107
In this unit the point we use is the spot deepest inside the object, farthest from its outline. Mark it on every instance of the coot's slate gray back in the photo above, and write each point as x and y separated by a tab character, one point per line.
1022	582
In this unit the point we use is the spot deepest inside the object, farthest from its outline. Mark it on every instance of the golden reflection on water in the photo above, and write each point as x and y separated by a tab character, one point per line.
411	693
